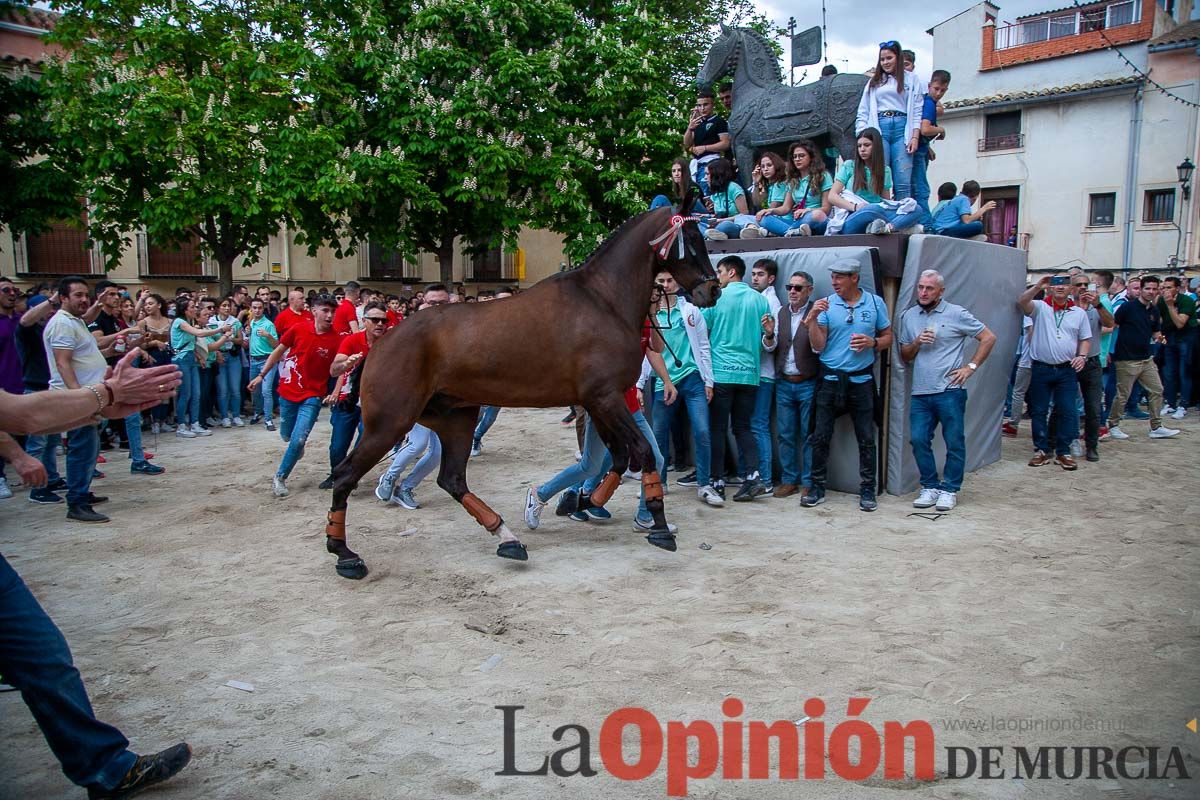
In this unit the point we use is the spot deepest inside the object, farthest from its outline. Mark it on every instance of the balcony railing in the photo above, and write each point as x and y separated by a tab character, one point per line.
1058	26
1010	141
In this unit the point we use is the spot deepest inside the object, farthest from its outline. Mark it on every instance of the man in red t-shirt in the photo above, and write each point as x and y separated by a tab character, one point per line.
351	352
295	312
304	356
345	319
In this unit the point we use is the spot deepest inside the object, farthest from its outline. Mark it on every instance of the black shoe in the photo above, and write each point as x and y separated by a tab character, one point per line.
146	772
687	480
719	486
44	496
1092	454
94	499
751	489
327	483
569	418
815	496
568	503
83	512
734	480
59	485
866	500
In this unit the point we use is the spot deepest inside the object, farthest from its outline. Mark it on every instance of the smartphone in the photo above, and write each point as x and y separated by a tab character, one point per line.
1092	288
1060	280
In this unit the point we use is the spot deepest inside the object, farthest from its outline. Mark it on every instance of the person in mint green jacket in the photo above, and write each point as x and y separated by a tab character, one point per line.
735	334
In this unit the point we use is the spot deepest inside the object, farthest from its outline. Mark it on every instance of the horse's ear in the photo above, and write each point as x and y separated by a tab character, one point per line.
688	201
725	31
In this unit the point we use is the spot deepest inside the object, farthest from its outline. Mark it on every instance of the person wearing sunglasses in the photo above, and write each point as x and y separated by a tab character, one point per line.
846	328
891	102
347	413
785	338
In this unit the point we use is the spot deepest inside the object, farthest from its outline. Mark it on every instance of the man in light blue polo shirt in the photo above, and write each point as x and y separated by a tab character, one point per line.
846	328
933	337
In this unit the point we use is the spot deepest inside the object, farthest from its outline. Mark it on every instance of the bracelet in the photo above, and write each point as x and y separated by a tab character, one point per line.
99	398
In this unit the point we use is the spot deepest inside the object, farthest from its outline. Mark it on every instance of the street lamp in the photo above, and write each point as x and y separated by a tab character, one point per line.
1185	171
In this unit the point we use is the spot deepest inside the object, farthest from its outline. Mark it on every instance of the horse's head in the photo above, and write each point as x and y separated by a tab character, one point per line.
722	57
688	260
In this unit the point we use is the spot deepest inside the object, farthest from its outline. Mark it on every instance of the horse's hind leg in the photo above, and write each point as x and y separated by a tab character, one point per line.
373	445
456	429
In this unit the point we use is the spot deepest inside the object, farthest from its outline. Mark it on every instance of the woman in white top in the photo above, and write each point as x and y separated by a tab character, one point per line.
891	102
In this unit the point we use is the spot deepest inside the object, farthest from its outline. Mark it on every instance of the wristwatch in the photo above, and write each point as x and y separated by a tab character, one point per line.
972	365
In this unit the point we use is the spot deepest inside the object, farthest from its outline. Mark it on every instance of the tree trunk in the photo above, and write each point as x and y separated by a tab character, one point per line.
225	275
445	254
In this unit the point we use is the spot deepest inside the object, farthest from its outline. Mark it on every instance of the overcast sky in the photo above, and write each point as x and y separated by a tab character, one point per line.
856	27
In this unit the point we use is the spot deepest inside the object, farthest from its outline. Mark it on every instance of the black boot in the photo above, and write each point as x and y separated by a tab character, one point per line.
83	512
146	772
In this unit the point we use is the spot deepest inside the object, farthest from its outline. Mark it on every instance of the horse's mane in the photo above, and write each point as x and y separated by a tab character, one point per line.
772	59
607	244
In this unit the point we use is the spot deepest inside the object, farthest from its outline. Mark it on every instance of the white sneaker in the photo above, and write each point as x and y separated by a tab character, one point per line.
476	448
238	423
386	486
199	430
715	235
1163	432
946	501
279	487
227	423
639	526
269	424
1180	413
5	491
185	432
877	227
1076	449
155	428
533	509
1116	433
632	476
927	499
212	422
1167	410
752	231
709	495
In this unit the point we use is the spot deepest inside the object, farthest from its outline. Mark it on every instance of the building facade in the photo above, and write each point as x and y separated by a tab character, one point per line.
63	249
1056	117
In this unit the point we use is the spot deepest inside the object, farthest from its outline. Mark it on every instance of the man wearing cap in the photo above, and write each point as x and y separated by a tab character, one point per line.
933	335
846	328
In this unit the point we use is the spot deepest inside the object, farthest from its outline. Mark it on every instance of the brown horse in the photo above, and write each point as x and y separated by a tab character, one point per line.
572	339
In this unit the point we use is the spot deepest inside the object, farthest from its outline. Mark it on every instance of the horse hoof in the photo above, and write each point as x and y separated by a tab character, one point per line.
514	550
353	568
663	539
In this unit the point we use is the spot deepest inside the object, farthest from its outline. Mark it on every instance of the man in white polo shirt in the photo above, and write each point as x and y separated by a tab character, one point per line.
933	336
75	360
1058	349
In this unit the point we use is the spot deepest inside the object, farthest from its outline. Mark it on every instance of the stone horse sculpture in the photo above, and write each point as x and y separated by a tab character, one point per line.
572	339
766	114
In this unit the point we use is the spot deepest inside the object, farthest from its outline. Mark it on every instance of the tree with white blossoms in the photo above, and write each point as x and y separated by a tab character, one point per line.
561	114
193	119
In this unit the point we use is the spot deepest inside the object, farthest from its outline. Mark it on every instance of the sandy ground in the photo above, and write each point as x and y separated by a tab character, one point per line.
1044	595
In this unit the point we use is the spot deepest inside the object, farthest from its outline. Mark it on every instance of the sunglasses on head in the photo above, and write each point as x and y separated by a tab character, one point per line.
889	43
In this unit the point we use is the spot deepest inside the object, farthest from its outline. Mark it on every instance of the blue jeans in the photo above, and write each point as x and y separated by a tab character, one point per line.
691	397
661	200
588	468
781	225
961	230
424	447
859	220
1177	368
896	156
760	428
487	418
264	395
296	421
187	402
34	658
793	416
345	424
83	445
949	408
133	431
920	183
1061	385
45	449
229	390
733	227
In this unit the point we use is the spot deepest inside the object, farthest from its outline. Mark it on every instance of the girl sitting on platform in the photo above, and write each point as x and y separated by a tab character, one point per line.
770	193
870	181
727	204
807	206
681	182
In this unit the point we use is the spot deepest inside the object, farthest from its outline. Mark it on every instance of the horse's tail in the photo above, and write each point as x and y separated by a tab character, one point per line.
355	379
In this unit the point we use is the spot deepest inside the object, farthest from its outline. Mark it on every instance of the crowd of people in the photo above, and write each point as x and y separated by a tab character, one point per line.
884	188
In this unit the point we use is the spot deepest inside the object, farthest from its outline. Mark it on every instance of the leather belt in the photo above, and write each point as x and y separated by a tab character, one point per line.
797	378
893	113
1055	366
